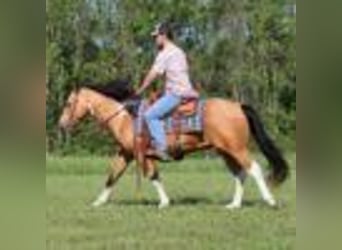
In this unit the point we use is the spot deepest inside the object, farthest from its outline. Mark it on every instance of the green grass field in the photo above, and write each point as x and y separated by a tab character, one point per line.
196	219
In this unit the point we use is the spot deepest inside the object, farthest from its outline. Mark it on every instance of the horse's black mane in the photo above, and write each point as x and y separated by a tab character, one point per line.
118	89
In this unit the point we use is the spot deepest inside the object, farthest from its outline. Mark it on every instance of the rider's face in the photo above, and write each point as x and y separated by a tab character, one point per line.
160	40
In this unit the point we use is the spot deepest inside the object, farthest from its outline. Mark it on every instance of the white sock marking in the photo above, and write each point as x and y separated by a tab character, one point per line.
239	190
164	199
103	197
256	172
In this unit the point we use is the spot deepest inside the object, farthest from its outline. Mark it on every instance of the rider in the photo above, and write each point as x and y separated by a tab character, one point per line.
171	63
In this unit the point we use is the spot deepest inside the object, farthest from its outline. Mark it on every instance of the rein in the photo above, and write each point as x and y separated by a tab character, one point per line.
125	105
104	122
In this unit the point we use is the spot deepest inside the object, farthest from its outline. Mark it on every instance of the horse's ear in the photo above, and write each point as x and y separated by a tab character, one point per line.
76	88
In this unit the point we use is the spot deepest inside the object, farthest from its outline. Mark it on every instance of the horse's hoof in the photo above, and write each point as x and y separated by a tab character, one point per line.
163	205
272	203
102	198
233	206
97	203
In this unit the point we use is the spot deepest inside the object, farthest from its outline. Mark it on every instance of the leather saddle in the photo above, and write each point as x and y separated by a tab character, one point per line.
188	107
186	117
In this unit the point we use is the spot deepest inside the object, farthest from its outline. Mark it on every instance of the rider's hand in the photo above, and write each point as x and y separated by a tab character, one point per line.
138	93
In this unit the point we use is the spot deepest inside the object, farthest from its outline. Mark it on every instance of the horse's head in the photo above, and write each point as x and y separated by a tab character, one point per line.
86	98
75	109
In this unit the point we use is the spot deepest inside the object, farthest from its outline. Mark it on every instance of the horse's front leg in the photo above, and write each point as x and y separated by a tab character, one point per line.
118	166
152	173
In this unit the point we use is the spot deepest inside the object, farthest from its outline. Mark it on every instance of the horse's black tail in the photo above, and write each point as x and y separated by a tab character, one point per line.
280	168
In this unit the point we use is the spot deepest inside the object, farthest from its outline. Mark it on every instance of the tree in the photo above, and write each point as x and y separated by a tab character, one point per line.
243	50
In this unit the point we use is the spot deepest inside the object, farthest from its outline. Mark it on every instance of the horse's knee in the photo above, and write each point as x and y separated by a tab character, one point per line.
110	181
148	173
153	175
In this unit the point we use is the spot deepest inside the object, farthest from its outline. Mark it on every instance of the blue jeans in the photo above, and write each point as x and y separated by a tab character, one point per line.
154	115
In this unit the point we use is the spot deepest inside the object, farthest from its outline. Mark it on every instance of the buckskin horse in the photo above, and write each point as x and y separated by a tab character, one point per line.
226	127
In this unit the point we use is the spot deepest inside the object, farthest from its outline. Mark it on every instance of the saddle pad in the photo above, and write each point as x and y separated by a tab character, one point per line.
186	124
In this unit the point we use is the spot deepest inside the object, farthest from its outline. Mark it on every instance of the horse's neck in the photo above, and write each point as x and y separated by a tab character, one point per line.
104	107
112	114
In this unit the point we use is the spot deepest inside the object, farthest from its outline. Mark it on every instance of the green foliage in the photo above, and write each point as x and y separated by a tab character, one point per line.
244	50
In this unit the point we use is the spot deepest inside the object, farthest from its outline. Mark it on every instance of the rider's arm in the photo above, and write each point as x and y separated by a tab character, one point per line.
149	78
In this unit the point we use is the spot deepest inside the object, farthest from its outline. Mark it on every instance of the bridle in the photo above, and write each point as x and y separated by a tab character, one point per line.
104	122
72	111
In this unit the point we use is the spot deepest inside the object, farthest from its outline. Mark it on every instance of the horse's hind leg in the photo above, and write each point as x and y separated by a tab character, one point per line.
239	190
118	166
256	172
243	164
239	179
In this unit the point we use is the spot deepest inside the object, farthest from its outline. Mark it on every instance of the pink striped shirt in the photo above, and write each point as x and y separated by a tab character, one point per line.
172	63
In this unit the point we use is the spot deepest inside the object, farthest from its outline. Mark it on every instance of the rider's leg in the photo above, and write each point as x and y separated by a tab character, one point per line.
154	115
